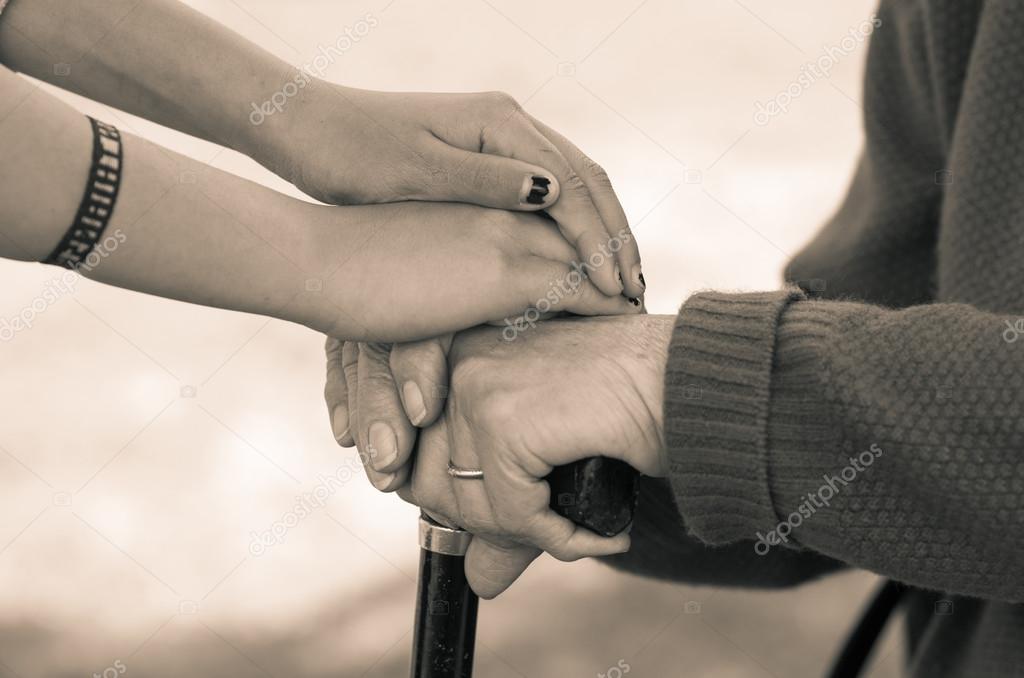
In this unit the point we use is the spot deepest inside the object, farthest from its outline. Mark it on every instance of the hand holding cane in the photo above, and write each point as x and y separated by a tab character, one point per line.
597	493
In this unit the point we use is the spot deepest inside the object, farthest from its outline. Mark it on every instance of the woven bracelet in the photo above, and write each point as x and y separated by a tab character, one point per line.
97	202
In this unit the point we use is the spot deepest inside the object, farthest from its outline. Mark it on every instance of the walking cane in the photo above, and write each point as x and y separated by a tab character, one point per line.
597	493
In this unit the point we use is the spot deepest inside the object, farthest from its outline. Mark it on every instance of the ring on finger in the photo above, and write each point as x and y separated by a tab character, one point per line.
464	473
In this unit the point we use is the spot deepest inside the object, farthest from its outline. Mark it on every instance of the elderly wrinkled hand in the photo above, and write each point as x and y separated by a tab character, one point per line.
561	391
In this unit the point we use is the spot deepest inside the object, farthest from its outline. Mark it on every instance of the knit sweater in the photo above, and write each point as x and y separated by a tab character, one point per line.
871	414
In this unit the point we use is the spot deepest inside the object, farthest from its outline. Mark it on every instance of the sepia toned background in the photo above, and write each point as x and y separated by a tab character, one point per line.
143	442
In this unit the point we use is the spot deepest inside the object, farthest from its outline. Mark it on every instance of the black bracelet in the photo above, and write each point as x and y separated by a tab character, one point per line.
97	203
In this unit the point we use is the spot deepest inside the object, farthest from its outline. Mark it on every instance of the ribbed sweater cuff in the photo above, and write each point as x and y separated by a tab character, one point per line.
717	400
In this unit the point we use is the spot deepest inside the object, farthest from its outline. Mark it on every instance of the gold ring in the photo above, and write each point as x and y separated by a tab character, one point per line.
464	473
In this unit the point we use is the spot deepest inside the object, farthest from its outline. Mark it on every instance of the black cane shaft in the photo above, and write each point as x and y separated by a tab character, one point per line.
445	628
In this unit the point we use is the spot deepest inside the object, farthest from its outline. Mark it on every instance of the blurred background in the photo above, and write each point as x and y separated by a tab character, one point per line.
144	442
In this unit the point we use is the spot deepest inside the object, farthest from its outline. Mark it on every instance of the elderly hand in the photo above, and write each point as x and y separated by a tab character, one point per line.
559	392
350	146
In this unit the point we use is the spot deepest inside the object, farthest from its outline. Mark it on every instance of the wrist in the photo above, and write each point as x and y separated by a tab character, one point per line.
654	338
327	293
283	122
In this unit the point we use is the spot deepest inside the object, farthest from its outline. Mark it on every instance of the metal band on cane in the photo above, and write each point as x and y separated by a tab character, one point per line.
437	538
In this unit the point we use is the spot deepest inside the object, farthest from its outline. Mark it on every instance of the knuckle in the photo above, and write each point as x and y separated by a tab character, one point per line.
501	103
494	409
496	109
574	183
595	172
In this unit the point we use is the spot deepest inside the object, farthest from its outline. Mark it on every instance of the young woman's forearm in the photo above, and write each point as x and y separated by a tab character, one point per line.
158	59
165	62
179	229
186	231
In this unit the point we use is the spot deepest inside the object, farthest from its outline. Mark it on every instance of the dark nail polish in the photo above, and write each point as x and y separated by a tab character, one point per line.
538	191
642	281
634	301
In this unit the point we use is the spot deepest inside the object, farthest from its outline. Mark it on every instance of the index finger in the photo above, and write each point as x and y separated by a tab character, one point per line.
575	211
608	206
520	502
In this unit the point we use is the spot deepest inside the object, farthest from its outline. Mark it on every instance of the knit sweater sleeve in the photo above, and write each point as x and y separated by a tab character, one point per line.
884	439
665	544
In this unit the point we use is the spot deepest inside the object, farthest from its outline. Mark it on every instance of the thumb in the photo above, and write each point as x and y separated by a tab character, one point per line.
491	181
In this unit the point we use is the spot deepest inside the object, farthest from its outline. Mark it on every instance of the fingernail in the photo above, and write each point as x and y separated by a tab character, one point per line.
339	422
634	301
412	398
638	276
618	277
535	189
383	484
383	446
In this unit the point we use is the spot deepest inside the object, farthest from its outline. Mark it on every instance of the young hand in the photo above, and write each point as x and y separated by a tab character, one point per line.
412	271
339	144
350	146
